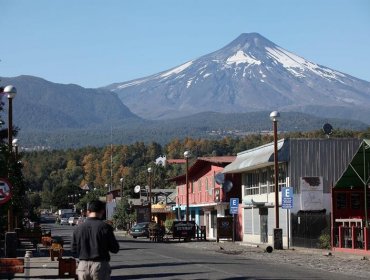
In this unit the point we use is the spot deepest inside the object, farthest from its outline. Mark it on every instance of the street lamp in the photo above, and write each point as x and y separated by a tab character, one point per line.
150	192
15	146
186	156
10	91
278	233
121	180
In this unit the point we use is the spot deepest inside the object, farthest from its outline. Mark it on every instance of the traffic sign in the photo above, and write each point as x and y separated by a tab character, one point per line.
287	197
234	205
5	190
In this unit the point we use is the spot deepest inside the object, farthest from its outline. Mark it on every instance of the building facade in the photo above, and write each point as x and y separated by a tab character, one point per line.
310	167
209	192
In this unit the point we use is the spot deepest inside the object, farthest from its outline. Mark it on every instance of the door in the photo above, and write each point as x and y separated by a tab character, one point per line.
263	224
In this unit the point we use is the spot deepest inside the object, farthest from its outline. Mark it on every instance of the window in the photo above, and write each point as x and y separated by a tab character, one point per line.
261	181
264	180
355	201
341	201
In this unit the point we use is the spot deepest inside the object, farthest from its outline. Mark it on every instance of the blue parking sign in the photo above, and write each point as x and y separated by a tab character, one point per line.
287	197
234	205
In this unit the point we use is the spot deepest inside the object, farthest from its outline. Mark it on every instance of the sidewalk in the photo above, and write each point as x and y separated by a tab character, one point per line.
41	266
344	263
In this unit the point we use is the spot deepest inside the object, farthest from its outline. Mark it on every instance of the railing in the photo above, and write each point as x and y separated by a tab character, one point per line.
200	232
351	237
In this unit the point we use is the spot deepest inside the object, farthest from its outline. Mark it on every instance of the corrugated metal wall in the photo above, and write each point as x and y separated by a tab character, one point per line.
320	157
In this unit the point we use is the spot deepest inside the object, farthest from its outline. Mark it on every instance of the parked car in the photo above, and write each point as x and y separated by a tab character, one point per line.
72	221
140	230
64	221
80	220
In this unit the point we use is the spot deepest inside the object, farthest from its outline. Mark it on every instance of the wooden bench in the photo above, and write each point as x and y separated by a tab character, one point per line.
156	235
10	266
46	241
56	250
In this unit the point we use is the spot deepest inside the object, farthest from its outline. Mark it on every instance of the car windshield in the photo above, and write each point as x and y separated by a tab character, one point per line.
141	225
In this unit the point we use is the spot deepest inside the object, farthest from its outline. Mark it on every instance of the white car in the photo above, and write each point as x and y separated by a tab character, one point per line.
80	220
72	221
64	221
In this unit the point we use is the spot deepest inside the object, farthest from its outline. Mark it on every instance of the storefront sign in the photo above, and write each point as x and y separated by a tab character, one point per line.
182	229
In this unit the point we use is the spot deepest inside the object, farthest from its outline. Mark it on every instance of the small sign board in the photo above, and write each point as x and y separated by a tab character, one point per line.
224	227
5	190
183	229
234	205
287	197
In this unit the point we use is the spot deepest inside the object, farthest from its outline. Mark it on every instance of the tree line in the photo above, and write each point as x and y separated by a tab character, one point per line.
56	174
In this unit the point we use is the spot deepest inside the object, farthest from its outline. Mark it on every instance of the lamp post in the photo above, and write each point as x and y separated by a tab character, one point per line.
15	146
186	156
10	92
150	192
121	180
278	233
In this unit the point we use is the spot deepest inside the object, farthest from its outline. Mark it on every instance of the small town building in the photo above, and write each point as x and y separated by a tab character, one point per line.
209	193
351	205
310	167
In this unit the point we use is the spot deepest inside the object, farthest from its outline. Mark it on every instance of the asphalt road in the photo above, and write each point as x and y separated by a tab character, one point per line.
141	259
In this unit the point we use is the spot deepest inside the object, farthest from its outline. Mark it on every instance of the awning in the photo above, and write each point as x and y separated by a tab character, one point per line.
357	173
256	158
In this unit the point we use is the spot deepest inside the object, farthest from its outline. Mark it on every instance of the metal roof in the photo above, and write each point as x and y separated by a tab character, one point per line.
254	158
357	173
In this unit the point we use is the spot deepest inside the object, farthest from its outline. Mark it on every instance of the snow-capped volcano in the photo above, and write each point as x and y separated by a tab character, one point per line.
249	74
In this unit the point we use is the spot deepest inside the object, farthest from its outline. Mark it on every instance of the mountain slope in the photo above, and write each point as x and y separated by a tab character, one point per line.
43	105
249	74
207	125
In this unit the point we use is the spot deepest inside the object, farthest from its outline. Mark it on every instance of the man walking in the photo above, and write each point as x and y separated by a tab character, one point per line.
91	243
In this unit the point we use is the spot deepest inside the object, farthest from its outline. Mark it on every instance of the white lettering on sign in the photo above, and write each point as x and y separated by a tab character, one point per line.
287	192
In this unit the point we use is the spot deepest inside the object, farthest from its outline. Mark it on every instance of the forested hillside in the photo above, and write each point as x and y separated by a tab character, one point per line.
54	175
209	125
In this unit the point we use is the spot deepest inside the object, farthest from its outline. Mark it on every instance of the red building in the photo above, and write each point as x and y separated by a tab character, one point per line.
209	193
351	205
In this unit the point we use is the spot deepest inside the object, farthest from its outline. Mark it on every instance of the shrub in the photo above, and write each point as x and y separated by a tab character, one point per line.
324	241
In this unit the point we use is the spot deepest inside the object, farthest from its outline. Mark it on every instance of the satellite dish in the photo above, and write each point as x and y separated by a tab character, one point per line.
220	178
137	189
327	128
227	186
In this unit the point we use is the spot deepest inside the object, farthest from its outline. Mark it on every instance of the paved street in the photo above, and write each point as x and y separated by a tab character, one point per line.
141	259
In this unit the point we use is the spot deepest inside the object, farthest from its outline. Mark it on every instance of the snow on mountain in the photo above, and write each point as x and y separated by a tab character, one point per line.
249	74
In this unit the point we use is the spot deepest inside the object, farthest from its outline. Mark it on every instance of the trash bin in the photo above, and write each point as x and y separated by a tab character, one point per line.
10	245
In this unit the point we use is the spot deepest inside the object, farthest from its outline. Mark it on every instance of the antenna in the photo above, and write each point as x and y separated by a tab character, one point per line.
227	186
137	189
328	129
220	178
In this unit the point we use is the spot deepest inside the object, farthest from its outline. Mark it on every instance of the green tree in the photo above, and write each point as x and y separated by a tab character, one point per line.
123	216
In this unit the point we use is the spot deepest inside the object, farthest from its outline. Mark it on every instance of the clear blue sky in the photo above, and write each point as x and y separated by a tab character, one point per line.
97	42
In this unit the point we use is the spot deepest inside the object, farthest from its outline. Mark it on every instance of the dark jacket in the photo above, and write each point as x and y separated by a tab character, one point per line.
93	240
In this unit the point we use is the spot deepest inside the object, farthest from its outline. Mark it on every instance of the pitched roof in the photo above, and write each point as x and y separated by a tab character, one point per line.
201	162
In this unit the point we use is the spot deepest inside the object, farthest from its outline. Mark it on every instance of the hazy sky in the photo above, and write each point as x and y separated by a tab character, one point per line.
94	43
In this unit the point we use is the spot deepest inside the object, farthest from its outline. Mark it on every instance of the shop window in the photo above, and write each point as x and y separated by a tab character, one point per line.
341	200
355	201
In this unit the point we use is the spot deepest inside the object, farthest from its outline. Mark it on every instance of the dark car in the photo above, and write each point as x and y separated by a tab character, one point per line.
140	230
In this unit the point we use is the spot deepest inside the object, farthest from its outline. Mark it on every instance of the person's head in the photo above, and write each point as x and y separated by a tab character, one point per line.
96	208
